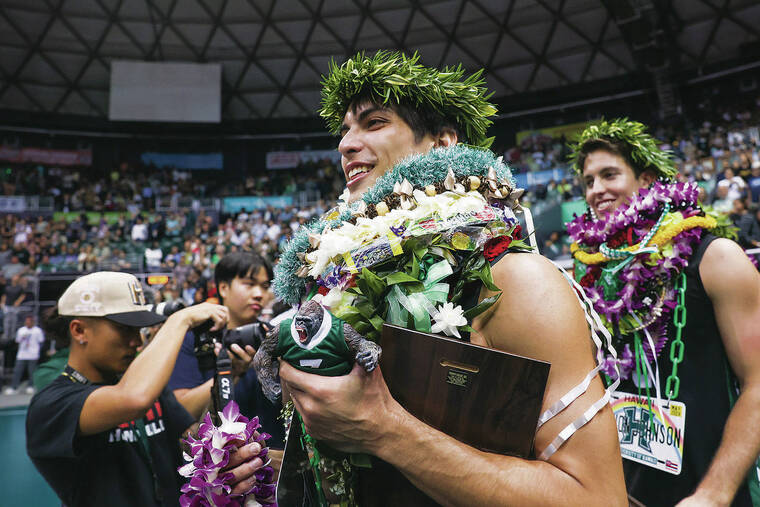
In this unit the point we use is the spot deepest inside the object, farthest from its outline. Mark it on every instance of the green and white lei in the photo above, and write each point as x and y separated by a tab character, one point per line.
409	246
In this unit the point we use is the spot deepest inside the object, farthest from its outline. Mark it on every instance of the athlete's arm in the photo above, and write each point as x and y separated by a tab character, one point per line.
733	285
537	316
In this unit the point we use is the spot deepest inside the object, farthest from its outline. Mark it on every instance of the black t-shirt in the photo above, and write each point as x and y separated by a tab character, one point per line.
704	391
22	254
12	293
108	468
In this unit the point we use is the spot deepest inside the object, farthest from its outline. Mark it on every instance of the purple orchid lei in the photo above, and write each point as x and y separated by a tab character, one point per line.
645	298
638	212
210	453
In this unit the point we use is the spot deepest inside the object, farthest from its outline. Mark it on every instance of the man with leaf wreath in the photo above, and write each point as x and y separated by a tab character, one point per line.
408	178
683	305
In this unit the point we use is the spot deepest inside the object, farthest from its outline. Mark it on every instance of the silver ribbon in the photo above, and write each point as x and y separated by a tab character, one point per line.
595	323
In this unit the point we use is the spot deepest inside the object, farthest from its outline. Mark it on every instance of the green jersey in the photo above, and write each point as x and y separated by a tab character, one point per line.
326	354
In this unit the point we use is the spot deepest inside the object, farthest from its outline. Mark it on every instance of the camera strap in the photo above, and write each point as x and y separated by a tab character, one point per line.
223	390
143	448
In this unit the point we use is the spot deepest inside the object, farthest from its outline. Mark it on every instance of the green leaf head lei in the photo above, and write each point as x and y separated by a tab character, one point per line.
392	77
644	150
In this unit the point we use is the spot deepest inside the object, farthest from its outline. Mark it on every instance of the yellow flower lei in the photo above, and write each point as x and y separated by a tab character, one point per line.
661	238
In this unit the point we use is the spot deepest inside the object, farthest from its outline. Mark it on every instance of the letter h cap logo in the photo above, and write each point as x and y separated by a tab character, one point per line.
137	294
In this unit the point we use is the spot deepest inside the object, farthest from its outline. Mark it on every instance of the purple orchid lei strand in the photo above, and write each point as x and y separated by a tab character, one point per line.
208	486
634	296
682	197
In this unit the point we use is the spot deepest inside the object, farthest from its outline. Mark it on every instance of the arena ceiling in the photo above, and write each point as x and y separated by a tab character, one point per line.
55	54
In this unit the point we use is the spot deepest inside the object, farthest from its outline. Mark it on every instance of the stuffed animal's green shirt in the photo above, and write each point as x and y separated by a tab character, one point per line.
325	354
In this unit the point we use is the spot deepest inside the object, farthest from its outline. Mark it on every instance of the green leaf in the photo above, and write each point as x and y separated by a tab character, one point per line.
363	327
399	277
377	322
377	285
413	267
456	296
371	285
366	309
355	290
481	307
347	313
487	278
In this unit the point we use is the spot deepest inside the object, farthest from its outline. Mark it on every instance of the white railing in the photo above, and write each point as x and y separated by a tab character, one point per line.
21	203
194	203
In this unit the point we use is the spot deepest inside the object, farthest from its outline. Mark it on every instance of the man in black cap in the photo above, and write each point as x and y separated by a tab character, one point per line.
106	431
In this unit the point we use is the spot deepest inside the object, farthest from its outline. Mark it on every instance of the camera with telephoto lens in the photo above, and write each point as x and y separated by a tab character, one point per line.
250	334
168	307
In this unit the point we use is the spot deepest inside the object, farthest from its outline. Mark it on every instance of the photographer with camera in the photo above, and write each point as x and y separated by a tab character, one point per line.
242	281
106	431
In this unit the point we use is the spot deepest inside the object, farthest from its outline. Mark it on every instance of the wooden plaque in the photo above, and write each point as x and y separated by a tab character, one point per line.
485	398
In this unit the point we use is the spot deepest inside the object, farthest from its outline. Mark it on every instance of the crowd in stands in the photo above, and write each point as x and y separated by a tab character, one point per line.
186	244
134	186
721	154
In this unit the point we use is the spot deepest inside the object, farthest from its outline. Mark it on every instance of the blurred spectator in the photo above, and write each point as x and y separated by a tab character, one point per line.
102	251
754	184
153	257
139	230
743	221
735	184
13	268
722	203
45	266
30	339
11	300
86	261
552	246
754	232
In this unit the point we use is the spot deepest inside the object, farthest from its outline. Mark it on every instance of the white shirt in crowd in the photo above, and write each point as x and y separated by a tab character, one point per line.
273	232
139	232
29	340
735	187
153	257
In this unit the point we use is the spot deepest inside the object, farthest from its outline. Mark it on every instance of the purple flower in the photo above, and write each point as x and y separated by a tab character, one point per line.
624	363
646	278
635	212
210	454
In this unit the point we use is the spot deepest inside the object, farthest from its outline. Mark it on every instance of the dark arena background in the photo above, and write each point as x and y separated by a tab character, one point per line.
155	136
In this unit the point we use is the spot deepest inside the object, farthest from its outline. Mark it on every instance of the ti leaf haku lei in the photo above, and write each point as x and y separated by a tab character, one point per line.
392	77
210	453
644	150
629	261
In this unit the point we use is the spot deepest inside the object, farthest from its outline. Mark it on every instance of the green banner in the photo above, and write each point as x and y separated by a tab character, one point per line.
93	217
568	208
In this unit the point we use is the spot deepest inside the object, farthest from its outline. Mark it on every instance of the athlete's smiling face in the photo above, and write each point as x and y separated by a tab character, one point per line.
610	181
374	139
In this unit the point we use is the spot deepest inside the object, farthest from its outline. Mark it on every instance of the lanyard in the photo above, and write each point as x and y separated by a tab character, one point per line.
138	426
